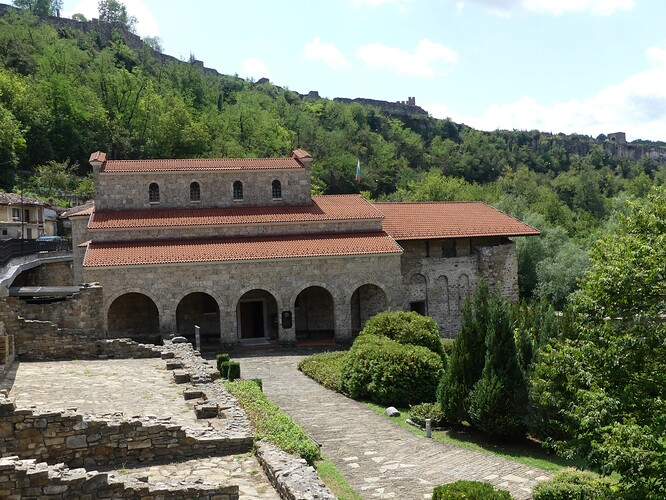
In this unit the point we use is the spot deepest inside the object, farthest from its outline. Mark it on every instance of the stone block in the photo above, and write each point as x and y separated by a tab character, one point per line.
181	376
76	441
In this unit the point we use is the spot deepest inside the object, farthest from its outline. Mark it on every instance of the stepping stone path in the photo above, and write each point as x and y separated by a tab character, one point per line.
378	458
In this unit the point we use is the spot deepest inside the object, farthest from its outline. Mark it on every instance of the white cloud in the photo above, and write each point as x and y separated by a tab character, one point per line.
146	23
636	106
505	8
326	52
254	68
428	59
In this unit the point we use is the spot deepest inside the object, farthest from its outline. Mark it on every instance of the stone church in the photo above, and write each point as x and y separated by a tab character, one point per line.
240	248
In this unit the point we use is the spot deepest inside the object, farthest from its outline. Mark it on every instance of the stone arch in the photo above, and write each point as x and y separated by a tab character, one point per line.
417	293
463	290
366	301
256	315
134	315
442	294
201	309
314	308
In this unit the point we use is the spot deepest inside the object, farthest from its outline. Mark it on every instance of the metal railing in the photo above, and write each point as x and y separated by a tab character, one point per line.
11	248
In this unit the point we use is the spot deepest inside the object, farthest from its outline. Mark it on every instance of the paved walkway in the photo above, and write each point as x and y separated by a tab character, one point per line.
378	458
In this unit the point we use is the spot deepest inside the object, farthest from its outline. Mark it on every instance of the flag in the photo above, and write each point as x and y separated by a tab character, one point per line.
358	170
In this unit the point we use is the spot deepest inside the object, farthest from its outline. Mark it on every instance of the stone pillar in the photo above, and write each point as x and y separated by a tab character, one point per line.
287	336
343	321
167	323
228	326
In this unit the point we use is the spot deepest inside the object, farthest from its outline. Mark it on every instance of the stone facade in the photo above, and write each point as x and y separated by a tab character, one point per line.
281	298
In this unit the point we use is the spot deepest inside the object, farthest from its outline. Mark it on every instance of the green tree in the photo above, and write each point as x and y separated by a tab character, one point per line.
603	386
54	178
498	402
40	7
115	12
467	358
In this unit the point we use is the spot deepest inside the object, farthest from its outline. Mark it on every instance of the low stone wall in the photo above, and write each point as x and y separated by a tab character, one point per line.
291	476
82	312
47	274
27	479
86	441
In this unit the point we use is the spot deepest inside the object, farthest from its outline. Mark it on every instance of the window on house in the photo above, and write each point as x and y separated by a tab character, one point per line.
154	193
238	190
3	231
195	192
26	216
277	189
16	213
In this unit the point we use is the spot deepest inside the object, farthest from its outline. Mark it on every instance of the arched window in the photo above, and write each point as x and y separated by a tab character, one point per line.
277	189
195	192
154	193
238	190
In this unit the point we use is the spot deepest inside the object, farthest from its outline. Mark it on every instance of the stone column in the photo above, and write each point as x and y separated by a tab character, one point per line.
343	320
287	336
228	326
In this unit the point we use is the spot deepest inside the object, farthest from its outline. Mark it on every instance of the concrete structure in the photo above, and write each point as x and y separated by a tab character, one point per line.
240	248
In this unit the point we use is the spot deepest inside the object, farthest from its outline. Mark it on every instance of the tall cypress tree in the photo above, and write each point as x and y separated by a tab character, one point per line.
467	358
497	404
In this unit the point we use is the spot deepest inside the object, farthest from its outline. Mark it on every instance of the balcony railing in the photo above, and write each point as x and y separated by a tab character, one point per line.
11	248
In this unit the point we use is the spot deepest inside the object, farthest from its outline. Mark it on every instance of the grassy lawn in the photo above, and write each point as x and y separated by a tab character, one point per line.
528	452
335	481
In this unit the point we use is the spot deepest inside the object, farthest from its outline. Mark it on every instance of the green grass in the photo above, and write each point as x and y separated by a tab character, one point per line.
272	424
335	481
527	452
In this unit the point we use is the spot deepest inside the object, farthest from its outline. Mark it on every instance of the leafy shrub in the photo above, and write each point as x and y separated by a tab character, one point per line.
572	484
433	411
325	368
221	358
223	366
257	381
234	370
406	328
469	490
272	424
447	346
387	372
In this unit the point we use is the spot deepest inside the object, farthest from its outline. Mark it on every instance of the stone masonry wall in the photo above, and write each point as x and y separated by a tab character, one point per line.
27	479
87	441
236	230
117	191
82	312
444	283
47	274
227	282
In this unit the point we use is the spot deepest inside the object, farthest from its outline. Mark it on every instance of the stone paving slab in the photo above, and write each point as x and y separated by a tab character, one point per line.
378	458
243	470
135	387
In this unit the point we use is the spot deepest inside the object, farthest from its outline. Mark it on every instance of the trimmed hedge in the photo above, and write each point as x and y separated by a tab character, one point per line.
234	370
221	358
406	328
223	366
325	368
389	373
272	424
571	484
469	490
433	411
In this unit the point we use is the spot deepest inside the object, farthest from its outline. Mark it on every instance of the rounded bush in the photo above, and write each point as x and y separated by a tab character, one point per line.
389	373
406	328
433	411
574	484
469	490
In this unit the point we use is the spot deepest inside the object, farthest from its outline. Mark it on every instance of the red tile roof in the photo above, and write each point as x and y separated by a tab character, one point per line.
97	156
104	254
323	208
175	165
414	221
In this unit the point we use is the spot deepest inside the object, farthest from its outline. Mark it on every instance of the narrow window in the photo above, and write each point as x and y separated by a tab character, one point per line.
277	189
16	213
195	192
238	190
153	193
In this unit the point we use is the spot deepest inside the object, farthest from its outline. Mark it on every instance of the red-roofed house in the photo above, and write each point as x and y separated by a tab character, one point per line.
240	248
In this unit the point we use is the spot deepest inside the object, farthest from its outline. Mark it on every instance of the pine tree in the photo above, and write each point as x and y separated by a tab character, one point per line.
498	402
466	359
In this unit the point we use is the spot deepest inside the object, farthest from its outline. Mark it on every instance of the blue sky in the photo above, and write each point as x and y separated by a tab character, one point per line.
572	66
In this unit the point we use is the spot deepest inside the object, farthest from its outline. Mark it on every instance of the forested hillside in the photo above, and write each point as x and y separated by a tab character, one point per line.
66	92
